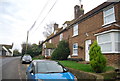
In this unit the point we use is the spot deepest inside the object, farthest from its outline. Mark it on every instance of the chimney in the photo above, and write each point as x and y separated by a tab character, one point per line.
78	11
55	26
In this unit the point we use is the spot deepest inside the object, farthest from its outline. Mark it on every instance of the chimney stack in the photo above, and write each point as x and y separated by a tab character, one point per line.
55	26
78	11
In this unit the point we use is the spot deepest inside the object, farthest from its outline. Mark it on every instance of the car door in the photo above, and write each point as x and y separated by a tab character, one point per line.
31	72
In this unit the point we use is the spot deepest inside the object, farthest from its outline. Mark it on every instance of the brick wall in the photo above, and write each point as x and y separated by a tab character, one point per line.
89	26
113	59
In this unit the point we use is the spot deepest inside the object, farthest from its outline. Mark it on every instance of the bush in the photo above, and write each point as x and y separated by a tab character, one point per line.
61	52
97	60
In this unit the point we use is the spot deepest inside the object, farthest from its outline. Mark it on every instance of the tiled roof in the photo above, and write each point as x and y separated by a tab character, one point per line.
50	45
107	28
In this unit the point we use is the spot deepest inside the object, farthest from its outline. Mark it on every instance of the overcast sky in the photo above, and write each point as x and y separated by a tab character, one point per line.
17	17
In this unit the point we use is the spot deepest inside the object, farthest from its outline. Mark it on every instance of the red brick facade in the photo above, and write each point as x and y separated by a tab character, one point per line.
88	25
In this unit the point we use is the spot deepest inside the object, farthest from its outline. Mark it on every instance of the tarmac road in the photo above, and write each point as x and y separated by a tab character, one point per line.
12	69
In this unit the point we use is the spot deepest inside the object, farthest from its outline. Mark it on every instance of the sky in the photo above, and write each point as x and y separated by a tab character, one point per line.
18	16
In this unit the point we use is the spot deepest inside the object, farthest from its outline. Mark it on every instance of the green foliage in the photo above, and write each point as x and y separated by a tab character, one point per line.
33	50
38	57
82	67
62	51
97	60
16	52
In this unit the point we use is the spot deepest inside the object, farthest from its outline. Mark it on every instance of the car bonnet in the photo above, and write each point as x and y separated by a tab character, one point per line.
66	75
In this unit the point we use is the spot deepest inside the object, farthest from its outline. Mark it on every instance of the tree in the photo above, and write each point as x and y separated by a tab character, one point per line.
97	60
48	29
32	50
16	52
62	51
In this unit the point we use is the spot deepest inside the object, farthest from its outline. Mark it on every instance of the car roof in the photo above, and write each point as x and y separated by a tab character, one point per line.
37	61
44	61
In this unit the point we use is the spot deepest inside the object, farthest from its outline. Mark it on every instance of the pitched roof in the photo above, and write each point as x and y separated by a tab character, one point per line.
50	45
107	28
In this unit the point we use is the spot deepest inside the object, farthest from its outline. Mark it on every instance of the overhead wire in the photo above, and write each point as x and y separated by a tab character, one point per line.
46	15
39	15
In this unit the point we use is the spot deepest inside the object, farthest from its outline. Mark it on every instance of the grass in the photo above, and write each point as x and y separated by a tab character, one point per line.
82	67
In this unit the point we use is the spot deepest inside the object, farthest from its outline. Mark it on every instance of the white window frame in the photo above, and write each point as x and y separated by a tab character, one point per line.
112	37
61	36
105	16
75	30
50	41
75	54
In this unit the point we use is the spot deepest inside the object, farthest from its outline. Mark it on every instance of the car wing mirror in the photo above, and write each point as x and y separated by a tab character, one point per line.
65	70
31	71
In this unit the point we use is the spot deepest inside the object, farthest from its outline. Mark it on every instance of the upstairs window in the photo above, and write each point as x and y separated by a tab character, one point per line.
75	30
109	15
61	37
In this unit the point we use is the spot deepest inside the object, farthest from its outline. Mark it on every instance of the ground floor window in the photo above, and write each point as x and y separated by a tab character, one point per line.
48	52
75	49
109	42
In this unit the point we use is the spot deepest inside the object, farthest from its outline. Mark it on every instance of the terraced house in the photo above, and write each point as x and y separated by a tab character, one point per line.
101	24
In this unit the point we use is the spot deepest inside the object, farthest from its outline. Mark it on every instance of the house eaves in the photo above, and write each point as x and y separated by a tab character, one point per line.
92	13
84	17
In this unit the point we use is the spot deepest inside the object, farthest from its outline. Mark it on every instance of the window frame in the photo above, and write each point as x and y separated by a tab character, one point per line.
75	54
113	42
75	30
61	36
104	16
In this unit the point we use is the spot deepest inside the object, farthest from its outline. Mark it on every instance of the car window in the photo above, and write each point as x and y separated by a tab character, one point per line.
47	67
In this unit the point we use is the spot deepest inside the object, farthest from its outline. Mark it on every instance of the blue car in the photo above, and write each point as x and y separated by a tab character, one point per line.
46	70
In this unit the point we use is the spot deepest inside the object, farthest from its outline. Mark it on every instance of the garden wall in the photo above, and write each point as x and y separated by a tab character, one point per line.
86	76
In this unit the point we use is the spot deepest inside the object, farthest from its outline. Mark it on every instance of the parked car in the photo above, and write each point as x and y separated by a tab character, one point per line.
26	59
46	70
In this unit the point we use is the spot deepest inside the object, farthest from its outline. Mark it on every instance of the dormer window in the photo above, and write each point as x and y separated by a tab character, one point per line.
75	30
109	15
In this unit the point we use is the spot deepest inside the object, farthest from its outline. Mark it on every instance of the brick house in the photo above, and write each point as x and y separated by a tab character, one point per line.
101	24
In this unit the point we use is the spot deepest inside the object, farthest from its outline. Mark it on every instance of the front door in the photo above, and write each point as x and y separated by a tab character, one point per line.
87	48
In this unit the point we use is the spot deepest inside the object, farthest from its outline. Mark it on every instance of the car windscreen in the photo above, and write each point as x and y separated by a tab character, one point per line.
25	57
49	67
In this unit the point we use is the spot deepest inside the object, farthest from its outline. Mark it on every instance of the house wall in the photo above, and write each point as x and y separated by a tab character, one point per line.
55	40
90	26
86	30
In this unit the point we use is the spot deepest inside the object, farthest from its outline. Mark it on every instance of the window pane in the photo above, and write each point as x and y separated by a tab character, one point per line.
107	47
109	16
109	11
104	38
75	49
75	29
117	46
117	36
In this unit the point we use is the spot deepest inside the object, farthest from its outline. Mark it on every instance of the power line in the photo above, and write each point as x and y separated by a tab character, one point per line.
39	15
46	15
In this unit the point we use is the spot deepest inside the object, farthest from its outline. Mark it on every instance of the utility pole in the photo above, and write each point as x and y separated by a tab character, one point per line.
80	2
27	42
28	36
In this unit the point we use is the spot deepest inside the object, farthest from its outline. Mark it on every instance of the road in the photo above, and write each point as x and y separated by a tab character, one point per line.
12	69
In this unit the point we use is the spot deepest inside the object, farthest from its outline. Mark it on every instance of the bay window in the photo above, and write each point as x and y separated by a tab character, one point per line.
109	42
